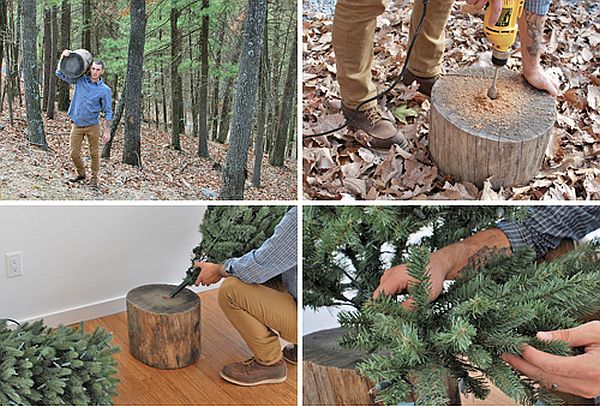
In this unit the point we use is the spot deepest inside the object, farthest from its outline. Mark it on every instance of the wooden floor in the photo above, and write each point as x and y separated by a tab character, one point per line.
199	383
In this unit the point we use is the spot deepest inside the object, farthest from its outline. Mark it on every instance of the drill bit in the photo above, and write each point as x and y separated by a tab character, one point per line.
492	93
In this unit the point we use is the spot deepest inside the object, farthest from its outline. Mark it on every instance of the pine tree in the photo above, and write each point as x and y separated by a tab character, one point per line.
497	305
61	366
232	231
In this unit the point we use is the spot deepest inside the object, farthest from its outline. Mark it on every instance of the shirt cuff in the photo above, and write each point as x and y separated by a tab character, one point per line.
519	237
537	6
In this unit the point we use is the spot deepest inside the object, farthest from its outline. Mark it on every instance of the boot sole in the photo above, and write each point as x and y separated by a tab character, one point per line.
263	382
290	361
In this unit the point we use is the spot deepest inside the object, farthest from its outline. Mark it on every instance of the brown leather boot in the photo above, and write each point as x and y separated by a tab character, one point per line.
251	373
290	353
379	126
425	84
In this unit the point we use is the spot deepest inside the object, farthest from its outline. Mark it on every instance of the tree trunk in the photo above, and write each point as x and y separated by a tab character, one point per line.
225	112
287	107
86	33
35	125
262	111
65	41
234	172
47	50
203	95
106	149
472	139
176	93
53	61
193	82
214	110
133	92
3	38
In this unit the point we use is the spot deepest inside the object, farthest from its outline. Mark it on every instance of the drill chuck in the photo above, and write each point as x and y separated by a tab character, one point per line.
499	58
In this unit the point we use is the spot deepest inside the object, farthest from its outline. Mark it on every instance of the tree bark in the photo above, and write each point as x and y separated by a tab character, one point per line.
278	155
176	92
203	95
47	50
133	93
86	33
65	41
53	61
262	112
3	38
35	125
106	148
214	110
225	113
234	173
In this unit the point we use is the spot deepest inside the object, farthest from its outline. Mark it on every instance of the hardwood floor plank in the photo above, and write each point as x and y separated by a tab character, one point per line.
200	382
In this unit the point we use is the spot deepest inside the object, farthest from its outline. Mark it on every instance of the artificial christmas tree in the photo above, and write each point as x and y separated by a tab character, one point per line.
230	232
497	305
61	366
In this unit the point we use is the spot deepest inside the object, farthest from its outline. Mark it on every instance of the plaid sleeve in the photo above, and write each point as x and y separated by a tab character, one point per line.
547	226
275	256
539	7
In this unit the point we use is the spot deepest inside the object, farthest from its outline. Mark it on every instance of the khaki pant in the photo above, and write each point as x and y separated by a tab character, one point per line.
257	311
353	32
93	135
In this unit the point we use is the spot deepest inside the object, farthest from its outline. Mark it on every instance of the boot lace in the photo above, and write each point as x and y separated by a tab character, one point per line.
373	115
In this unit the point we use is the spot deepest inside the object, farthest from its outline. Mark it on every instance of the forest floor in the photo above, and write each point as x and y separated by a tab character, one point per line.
338	167
28	173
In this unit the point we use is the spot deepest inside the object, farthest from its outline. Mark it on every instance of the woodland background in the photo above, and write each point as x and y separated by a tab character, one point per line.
173	67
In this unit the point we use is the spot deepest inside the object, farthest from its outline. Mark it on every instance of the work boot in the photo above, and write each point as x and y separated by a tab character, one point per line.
76	179
425	84
290	353
251	373
380	127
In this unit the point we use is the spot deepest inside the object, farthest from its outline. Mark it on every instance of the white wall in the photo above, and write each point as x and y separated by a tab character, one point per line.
80	261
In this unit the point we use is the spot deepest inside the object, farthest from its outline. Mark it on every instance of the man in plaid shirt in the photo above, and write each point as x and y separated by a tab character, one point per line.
543	229
259	297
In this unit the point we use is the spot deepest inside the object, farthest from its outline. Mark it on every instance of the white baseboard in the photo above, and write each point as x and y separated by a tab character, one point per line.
81	313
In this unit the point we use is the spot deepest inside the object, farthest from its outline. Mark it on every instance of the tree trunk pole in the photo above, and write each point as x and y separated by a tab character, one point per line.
234	173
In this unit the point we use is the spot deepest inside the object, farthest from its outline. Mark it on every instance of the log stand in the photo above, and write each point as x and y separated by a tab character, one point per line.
473	138
164	332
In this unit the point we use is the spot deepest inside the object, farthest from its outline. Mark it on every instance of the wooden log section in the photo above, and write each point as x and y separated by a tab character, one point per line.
329	377
473	138
164	332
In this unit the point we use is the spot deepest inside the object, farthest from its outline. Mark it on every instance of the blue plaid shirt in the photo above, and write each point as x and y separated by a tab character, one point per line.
547	226
88	99
278	255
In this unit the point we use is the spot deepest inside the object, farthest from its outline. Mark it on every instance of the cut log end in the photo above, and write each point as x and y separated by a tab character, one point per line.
164	332
473	137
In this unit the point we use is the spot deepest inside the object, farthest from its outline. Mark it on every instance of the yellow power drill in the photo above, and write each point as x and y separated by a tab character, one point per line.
502	35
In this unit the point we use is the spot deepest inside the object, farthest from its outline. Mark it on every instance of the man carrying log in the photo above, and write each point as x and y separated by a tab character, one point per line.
543	230
353	33
259	296
91	96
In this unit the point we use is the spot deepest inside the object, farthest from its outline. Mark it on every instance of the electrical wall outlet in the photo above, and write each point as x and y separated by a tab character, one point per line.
14	264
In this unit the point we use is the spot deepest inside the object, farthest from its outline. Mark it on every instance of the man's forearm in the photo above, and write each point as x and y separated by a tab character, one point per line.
107	125
458	255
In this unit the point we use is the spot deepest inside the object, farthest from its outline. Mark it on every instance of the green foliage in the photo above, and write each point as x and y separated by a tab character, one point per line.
62	366
346	249
232	231
497	306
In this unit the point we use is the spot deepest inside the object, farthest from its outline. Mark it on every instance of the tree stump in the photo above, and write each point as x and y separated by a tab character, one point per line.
329	378
473	138
164	332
